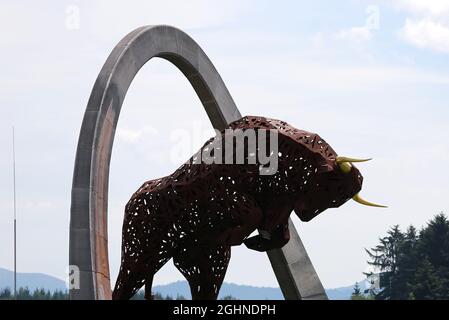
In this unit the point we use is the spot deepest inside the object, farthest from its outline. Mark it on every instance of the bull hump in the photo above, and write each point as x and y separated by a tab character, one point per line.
311	141
188	172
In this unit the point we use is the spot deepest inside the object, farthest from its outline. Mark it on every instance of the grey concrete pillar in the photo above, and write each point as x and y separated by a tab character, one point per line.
294	270
88	216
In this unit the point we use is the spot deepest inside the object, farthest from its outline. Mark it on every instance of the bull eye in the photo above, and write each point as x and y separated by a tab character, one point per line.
345	167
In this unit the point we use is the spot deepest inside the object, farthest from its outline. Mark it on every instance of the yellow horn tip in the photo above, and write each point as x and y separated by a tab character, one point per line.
359	199
347	159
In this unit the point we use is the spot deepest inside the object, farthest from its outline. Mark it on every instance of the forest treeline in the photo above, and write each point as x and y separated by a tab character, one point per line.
410	264
42	294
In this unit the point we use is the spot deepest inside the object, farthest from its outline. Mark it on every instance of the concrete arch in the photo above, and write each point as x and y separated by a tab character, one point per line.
88	216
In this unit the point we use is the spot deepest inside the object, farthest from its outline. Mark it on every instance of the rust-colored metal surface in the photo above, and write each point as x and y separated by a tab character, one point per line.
196	214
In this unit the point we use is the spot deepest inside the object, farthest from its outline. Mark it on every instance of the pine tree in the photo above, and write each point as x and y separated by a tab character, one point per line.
407	262
5	294
412	265
432	277
384	257
158	296
357	293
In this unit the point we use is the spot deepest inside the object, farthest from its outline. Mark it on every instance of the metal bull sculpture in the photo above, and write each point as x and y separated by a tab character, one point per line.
196	214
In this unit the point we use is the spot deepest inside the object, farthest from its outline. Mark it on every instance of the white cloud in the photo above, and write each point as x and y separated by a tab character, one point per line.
426	33
102	18
131	135
429	26
354	34
362	33
433	7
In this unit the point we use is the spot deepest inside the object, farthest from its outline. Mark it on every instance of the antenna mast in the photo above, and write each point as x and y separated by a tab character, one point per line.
15	214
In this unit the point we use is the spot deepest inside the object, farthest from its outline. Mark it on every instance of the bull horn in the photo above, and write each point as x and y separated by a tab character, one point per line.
360	200
346	159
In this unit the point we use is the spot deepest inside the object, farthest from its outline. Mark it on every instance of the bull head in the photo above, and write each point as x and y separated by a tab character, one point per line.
335	183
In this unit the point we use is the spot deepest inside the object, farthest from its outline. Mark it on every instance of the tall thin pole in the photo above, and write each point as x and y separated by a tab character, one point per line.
15	213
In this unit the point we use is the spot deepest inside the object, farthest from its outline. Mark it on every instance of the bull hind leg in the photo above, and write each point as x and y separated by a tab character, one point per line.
144	252
128	283
204	269
132	277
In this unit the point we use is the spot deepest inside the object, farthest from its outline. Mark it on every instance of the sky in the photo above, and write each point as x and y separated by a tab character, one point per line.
371	77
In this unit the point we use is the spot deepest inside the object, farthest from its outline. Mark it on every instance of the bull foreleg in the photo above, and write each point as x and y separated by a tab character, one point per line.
268	241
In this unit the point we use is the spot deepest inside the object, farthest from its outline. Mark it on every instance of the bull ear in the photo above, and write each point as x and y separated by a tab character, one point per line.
345	167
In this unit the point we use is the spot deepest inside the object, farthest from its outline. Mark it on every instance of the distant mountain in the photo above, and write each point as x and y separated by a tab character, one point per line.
344	293
227	289
244	292
39	280
31	280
